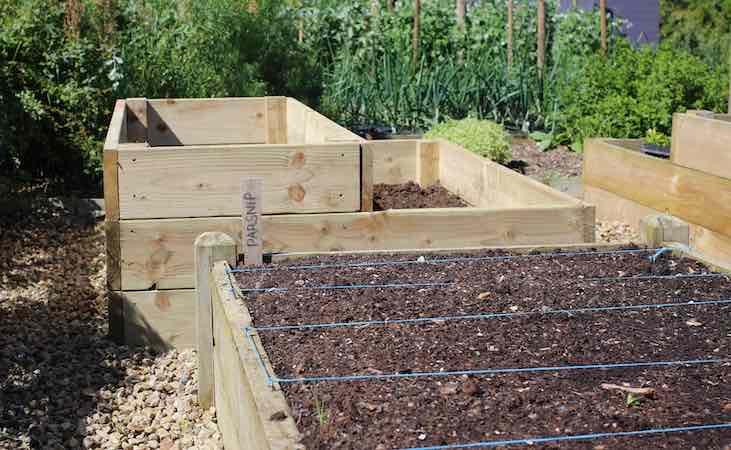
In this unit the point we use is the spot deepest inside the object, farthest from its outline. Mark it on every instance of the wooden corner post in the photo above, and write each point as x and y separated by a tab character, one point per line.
209	248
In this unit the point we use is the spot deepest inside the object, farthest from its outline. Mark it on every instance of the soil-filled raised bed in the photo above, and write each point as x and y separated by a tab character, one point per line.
413	196
360	348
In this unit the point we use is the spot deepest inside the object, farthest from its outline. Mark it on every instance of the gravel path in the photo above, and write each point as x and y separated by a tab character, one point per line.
62	383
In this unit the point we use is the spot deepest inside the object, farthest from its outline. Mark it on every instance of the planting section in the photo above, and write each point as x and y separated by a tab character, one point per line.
173	170
629	348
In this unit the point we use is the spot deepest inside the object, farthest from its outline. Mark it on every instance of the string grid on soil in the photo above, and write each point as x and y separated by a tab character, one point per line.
433	411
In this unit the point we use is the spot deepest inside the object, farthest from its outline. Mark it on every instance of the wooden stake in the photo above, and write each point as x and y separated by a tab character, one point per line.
251	199
209	248
603	25
417	32
460	15
729	76
510	33
541	55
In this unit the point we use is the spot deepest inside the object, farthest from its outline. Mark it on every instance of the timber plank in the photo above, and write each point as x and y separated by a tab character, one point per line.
200	181
428	163
702	143
693	196
207	121
136	119
160	319
113	255
251	405
159	252
394	162
277	120
366	178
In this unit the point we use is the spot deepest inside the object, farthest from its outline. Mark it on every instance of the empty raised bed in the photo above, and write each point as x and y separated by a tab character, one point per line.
173	170
467	350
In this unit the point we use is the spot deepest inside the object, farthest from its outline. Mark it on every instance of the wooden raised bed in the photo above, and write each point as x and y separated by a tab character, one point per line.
254	411
172	171
694	185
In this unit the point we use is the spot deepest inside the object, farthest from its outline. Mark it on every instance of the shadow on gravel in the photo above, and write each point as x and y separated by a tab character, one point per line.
55	357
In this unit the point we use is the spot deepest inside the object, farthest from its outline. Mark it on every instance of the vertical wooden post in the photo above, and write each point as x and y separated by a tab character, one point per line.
251	199
366	177
416	32
510	33
209	248
541	51
460	14
729	76
603	25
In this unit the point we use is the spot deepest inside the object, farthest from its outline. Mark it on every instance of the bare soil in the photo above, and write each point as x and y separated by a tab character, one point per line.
405	413
412	196
530	160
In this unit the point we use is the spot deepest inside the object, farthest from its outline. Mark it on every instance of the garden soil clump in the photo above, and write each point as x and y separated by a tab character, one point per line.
440	410
63	383
412	196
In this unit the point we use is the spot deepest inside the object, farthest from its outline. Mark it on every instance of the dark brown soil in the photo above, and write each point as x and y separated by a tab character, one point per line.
404	413
531	161
412	196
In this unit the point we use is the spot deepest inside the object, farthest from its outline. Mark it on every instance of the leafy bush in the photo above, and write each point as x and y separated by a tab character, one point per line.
655	137
632	91
483	137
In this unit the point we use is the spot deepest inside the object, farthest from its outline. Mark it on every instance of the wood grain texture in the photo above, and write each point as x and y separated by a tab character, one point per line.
116	135
394	162
277	120
702	144
307	126
209	248
248	408
159	252
200	181
696	197
366	177
136	119
715	248
486	184
428	165
111	184
113	255
160	319
207	121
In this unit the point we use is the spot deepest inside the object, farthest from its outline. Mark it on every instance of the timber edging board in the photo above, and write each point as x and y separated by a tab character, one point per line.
696	197
252	412
173	167
702	143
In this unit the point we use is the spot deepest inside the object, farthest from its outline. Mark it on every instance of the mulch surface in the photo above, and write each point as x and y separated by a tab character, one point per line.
422	412
412	196
532	161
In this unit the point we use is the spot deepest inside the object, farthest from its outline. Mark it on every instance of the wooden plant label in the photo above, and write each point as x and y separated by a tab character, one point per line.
251	198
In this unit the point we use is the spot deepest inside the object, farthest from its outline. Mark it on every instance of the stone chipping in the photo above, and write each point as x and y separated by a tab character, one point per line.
63	383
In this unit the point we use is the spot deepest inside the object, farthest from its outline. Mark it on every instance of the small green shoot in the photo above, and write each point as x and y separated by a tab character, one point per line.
322	413
633	400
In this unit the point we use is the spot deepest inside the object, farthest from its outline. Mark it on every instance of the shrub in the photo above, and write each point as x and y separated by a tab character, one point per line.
483	137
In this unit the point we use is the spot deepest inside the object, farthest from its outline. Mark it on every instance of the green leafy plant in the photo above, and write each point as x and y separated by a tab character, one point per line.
655	137
633	400
321	412
483	137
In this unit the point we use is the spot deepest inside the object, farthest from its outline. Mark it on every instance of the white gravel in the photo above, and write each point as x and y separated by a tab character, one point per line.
63	384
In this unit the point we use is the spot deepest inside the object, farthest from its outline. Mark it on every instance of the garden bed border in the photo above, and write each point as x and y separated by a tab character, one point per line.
160	196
